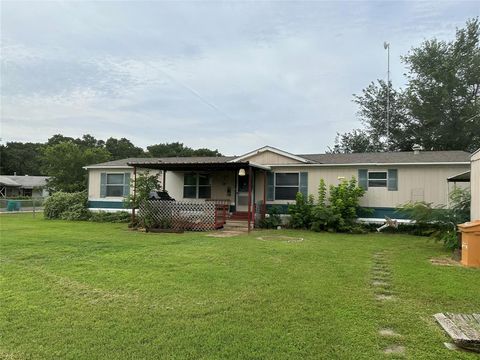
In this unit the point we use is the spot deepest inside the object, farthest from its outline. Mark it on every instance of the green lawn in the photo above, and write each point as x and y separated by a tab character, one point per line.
79	290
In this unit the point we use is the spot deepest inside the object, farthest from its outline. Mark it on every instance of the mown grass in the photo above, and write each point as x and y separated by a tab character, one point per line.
80	290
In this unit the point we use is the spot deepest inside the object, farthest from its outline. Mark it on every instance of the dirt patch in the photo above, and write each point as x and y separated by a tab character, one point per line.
395	350
226	233
281	238
388	333
444	261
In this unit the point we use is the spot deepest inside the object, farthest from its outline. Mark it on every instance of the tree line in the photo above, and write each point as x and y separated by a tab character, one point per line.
63	157
439	108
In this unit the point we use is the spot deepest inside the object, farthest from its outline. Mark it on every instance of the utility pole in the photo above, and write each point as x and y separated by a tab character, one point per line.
386	46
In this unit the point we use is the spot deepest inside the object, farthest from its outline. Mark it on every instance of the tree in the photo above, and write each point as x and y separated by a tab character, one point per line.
20	158
436	110
443	90
178	149
64	163
122	148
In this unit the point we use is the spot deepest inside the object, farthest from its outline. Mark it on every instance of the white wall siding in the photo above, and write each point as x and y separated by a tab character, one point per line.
415	183
475	186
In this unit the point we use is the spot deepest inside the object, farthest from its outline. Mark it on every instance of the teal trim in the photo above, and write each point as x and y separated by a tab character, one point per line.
304	184
381	212
363	178
98	204
282	208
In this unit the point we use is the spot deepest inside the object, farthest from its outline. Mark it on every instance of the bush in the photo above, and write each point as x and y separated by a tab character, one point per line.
67	206
340	213
301	212
112	217
438	221
272	220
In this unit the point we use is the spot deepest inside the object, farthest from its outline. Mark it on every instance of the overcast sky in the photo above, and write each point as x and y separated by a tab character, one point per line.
232	76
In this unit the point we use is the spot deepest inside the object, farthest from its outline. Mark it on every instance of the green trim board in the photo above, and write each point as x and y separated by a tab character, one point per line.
364	212
98	204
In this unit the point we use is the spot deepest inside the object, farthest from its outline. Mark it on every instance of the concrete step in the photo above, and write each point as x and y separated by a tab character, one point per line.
236	224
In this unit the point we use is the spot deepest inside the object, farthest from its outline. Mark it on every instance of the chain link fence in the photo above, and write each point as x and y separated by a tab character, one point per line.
14	205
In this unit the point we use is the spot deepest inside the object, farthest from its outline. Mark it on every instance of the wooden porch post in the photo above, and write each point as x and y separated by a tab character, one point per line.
134	192
264	207
249	197
164	173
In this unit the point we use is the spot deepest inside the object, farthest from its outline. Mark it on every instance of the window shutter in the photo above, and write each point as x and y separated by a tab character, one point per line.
363	178
126	184
103	184
304	184
392	179
270	187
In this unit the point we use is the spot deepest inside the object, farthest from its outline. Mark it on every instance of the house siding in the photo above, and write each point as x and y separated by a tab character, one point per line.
475	186
271	158
429	180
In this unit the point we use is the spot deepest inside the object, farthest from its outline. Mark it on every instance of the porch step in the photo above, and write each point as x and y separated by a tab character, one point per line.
236	225
239	215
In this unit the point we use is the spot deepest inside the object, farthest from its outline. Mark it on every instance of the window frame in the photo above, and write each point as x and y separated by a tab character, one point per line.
197	185
382	179
107	185
285	186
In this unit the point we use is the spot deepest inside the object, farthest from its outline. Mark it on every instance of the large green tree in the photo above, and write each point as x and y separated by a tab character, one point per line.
178	149
122	148
64	163
439	108
21	158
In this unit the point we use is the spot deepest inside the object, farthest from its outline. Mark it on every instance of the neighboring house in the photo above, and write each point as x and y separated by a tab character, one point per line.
13	186
475	185
275	177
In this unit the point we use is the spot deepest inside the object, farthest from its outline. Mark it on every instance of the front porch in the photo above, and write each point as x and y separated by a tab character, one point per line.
208	195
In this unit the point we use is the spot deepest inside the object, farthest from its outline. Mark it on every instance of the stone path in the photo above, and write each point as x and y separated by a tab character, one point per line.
383	292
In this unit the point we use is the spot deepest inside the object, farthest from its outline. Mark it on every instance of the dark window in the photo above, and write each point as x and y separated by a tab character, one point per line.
114	185
377	179
286	186
197	186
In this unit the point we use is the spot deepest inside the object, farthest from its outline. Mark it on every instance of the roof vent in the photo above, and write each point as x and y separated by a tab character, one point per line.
416	149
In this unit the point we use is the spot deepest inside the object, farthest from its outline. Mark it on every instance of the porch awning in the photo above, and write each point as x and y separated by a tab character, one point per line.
463	177
180	164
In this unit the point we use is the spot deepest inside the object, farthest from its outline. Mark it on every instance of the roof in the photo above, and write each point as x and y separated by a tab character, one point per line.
404	157
407	157
123	163
462	177
26	182
6	181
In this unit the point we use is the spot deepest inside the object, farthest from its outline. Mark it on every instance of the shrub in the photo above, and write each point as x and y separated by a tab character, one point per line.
273	220
438	221
67	206
146	183
301	212
340	213
112	217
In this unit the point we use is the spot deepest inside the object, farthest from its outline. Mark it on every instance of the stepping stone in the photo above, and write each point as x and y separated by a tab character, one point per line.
388	333
380	283
384	297
395	350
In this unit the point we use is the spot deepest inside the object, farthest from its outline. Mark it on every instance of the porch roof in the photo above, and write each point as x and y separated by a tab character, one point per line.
195	164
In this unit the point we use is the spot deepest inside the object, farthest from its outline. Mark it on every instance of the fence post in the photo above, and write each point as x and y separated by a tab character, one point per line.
33	205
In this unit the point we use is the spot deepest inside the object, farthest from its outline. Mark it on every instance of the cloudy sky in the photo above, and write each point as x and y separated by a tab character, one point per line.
226	75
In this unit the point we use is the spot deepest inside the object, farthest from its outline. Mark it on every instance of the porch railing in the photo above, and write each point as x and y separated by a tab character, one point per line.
183	215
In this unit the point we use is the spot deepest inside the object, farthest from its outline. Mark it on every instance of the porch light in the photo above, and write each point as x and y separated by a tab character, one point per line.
241	172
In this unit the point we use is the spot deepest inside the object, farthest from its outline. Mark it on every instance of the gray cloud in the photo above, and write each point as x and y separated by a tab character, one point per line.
231	76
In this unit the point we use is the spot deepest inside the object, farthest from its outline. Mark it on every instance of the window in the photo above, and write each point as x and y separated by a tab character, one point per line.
286	186
377	179
197	186
114	184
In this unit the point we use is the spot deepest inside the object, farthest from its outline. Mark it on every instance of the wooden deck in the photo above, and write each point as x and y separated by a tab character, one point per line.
464	329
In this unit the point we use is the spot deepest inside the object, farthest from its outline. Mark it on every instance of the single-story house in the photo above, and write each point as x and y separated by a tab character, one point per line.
14	186
270	176
475	185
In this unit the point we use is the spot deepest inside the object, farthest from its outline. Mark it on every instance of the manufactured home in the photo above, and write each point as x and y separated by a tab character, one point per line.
475	185
272	177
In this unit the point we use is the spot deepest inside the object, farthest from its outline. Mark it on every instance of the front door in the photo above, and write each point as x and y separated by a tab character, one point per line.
242	193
